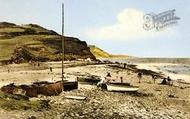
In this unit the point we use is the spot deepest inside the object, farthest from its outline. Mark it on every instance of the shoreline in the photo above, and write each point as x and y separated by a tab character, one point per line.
161	65
157	67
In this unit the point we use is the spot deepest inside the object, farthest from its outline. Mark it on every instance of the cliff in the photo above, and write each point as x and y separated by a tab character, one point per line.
21	43
99	53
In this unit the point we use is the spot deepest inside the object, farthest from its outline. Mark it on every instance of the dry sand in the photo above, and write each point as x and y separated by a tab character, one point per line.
153	101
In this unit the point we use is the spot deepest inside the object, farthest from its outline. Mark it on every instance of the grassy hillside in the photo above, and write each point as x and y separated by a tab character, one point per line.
33	42
99	53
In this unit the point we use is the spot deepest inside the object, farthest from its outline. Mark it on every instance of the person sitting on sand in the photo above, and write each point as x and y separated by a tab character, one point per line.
103	83
139	76
167	81
108	75
164	82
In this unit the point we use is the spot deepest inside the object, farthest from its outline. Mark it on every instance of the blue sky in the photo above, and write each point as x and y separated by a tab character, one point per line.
113	25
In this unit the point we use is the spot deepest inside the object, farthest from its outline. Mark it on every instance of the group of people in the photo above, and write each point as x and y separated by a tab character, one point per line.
167	81
105	80
34	63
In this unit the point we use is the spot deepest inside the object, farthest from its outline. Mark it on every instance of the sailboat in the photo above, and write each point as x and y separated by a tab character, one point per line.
55	88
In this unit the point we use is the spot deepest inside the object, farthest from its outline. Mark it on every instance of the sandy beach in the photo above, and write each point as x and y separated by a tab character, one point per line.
152	101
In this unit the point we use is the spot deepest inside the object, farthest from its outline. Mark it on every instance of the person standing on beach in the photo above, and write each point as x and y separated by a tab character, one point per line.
108	75
169	80
124	65
121	79
51	69
139	76
154	78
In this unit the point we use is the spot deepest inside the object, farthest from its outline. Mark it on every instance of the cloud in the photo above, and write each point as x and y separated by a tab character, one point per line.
129	26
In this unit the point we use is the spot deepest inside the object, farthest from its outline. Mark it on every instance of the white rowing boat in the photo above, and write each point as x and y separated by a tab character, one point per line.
114	88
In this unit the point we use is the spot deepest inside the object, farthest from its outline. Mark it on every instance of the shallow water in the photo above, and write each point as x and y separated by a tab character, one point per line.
176	69
152	60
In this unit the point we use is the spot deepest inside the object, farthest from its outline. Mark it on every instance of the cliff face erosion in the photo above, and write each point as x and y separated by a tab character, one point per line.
21	43
99	53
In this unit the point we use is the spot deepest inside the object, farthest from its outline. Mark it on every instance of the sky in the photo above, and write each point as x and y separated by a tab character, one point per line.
115	26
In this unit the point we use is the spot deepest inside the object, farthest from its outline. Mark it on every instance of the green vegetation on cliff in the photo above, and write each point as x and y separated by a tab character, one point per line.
20	43
99	53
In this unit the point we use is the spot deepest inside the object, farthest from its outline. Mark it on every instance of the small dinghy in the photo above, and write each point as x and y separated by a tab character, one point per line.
117	88
93	80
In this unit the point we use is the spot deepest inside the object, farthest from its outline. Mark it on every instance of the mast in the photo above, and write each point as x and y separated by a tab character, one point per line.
62	38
